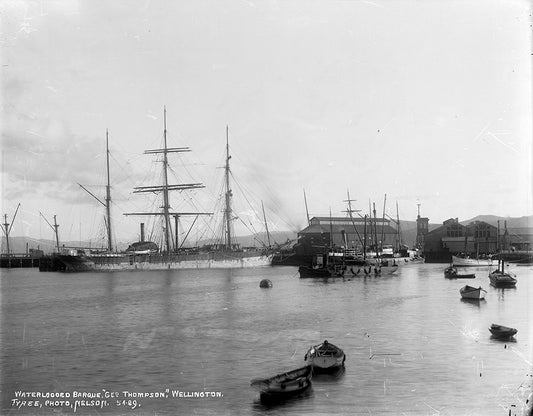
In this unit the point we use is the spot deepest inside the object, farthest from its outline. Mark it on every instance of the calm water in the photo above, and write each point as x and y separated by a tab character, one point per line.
413	346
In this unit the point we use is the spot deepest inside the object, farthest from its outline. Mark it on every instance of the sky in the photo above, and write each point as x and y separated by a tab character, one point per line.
425	103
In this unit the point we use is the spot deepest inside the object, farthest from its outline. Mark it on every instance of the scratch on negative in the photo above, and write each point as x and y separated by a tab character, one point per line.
438	412
520	355
500	141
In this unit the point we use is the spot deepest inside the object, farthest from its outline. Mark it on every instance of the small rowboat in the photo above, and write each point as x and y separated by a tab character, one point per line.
325	357
502	332
469	292
452	273
284	385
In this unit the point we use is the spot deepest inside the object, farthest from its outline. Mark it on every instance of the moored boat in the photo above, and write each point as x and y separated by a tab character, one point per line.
145	255
323	266
284	385
383	265
471	262
325	357
208	259
501	279
469	292
314	272
451	272
502	332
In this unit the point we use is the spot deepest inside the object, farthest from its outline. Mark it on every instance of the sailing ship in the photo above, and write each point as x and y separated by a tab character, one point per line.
145	255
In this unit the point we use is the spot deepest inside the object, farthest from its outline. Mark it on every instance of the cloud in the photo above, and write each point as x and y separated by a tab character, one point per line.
43	155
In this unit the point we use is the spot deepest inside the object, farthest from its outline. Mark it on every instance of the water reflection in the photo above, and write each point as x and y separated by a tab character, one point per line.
474	302
285	403
332	377
511	339
501	291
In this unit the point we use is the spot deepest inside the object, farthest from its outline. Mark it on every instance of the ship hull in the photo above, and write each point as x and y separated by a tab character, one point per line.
466	262
132	262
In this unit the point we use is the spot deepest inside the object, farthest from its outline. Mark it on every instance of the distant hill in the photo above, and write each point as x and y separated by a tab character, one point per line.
21	245
512	222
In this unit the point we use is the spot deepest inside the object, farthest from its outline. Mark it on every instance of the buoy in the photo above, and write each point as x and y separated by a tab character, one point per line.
265	283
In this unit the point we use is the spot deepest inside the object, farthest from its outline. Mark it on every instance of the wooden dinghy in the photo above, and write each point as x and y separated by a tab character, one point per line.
502	332
325	357
284	385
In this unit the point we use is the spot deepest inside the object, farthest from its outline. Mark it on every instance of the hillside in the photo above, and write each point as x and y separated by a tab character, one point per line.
512	222
21	245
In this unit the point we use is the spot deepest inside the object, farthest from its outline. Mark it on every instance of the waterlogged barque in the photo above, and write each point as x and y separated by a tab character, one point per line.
146	255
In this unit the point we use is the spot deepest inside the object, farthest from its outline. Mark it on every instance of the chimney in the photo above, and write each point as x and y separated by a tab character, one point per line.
344	239
142	232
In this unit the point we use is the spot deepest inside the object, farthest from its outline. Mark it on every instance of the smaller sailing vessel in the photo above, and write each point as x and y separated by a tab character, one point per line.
502	279
284	385
499	277
464	260
475	293
471	262
502	332
325	357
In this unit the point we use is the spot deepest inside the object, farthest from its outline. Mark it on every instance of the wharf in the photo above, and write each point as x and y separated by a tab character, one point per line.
18	261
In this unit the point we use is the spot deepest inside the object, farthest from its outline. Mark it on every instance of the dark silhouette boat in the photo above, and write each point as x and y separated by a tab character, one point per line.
502	332
452	273
284	385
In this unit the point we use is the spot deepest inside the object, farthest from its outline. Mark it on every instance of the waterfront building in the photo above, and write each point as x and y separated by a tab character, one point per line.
476	239
347	233
422	228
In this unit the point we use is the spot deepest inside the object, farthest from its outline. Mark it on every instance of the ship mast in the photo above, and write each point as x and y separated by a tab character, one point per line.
165	179
266	224
108	196
227	211
306	210
54	228
350	212
7	228
107	203
165	188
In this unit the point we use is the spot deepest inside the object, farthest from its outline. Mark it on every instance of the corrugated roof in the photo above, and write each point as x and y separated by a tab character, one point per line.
325	228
